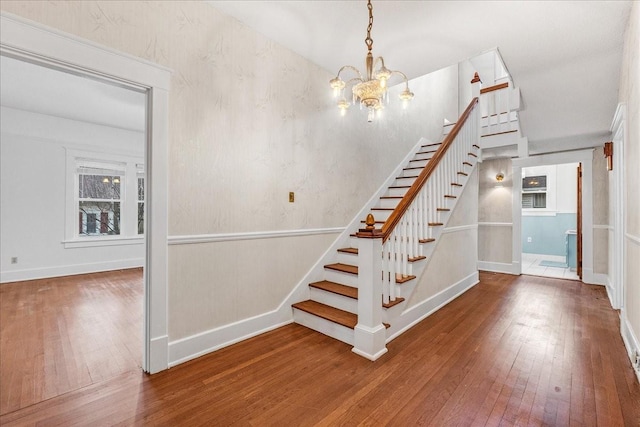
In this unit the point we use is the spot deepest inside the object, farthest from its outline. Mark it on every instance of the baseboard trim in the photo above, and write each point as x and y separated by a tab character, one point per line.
498	267
591	278
69	270
420	311
197	345
630	341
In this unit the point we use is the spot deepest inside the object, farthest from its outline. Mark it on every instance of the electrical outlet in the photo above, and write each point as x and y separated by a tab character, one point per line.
14	260
291	197
529	239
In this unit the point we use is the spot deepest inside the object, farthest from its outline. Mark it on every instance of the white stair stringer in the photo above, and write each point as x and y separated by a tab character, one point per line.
379	200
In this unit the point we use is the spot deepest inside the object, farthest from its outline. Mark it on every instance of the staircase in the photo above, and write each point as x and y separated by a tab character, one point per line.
500	131
369	277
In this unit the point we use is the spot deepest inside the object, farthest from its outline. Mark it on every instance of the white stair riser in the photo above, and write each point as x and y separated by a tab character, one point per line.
396	192
418	164
334	300
323	326
402	181
347	258
342	278
388	203
410	173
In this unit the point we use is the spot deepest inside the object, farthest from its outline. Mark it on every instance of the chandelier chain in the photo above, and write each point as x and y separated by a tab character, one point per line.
369	40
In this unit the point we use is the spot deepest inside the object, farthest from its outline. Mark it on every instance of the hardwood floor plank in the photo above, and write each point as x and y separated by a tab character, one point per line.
510	351
63	334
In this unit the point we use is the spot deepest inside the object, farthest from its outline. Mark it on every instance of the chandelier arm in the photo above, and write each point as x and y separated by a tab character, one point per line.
403	75
352	68
378	59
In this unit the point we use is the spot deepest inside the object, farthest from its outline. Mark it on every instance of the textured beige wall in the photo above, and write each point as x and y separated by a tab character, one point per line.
495	217
630	95
249	121
456	255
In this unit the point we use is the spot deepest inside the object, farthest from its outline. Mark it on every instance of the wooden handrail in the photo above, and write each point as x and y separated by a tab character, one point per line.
495	87
412	193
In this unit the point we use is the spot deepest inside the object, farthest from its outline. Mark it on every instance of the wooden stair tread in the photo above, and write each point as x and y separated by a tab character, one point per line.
345	268
472	154
476	146
405	177
443	209
401	280
467	163
420	160
413	168
336	288
382	209
417	258
435	224
349	250
391	197
429	240
393	303
332	314
449	196
376	221
400	186
456	184
431	145
463	173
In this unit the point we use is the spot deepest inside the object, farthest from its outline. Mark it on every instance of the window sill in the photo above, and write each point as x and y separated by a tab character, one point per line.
102	241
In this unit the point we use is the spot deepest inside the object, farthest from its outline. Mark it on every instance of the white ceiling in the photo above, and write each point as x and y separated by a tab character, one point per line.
38	89
564	55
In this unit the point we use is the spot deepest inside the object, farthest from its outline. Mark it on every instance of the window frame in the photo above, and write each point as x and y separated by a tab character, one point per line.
128	200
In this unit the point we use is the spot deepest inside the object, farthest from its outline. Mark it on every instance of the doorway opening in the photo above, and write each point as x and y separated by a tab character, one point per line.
550	218
73	230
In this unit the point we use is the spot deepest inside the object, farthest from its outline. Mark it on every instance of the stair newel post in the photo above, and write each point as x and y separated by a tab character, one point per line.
370	334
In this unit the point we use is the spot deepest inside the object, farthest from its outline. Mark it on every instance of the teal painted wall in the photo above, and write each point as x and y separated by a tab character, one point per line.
547	233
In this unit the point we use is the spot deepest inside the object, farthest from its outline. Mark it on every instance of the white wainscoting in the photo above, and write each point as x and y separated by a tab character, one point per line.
630	342
199	344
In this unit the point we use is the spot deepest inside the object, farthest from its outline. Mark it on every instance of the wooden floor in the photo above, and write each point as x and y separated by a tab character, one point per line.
511	351
63	334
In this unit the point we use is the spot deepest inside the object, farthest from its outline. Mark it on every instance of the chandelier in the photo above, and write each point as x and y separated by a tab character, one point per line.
372	91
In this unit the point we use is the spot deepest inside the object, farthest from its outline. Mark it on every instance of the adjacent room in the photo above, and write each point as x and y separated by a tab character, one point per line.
549	221
72	240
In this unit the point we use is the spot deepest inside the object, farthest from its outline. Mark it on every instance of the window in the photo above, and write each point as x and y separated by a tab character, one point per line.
99	198
534	200
105	199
